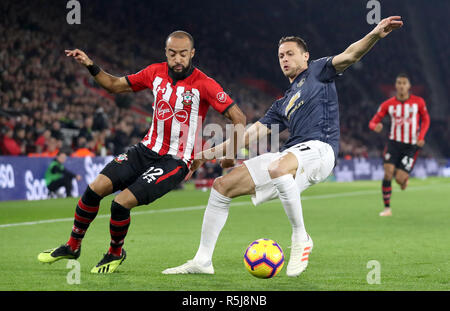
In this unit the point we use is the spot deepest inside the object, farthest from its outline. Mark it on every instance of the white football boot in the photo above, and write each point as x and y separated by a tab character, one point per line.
190	267
299	257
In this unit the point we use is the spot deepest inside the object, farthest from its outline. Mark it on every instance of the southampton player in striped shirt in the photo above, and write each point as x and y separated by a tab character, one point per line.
156	165
409	124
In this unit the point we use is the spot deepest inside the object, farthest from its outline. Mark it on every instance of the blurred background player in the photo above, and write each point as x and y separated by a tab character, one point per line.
156	165
57	176
409	124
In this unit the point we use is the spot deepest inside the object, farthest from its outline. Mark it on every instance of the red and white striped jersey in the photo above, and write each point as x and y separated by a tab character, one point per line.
178	110
409	119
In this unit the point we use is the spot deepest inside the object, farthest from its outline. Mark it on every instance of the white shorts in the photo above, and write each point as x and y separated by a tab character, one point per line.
315	164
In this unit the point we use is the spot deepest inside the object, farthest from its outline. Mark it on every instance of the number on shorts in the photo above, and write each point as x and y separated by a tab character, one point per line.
303	147
407	162
151	174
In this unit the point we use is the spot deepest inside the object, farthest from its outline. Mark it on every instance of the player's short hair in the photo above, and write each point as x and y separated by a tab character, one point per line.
403	75
300	42
181	34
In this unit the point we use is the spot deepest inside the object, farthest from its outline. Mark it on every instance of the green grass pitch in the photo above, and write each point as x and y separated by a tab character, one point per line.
412	247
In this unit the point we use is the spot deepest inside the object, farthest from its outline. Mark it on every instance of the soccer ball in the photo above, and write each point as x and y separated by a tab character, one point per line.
264	258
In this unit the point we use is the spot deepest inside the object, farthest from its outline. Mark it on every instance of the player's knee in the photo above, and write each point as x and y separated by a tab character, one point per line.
127	199
222	186
277	170
102	185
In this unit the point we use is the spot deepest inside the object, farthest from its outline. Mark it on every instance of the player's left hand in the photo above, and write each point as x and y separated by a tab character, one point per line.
385	26
420	143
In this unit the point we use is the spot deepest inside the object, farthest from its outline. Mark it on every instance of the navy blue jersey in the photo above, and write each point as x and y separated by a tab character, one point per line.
309	108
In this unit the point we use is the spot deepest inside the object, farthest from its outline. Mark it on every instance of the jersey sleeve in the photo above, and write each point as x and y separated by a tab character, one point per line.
273	117
216	97
141	80
424	120
323	69
382	110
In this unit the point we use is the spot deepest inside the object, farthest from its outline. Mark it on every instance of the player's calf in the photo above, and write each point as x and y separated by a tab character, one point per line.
401	177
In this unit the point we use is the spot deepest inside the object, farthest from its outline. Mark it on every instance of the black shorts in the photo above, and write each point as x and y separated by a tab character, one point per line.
402	155
145	173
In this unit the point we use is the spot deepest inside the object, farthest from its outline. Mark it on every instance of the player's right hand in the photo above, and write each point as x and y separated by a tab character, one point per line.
80	56
378	127
420	143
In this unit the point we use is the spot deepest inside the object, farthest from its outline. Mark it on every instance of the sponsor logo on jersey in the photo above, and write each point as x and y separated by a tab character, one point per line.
221	97
161	89
164	112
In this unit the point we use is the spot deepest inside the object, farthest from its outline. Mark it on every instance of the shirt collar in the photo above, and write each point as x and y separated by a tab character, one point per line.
299	77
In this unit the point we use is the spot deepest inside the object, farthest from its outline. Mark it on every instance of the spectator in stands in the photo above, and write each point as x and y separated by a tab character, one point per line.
86	130
84	148
8	144
56	130
42	141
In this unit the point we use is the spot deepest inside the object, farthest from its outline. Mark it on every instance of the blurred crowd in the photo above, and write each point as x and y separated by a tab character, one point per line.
49	102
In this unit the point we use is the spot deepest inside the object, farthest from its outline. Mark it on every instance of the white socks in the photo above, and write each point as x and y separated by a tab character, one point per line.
216	214
290	198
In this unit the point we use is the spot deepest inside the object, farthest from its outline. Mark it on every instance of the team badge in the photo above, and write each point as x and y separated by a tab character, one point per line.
301	82
121	157
187	96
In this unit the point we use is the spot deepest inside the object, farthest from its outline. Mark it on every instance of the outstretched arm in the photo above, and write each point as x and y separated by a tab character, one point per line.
254	132
109	82
257	130
358	49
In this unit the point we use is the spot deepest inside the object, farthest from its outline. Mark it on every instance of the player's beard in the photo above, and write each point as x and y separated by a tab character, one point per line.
183	74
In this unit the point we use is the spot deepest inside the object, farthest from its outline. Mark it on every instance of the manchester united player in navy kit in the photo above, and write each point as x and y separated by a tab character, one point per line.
409	124
309	110
150	169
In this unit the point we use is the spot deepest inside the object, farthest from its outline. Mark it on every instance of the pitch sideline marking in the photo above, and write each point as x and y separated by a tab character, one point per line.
198	207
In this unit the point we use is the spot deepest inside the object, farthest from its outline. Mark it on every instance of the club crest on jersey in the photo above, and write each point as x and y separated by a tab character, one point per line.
302	81
187	97
121	157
